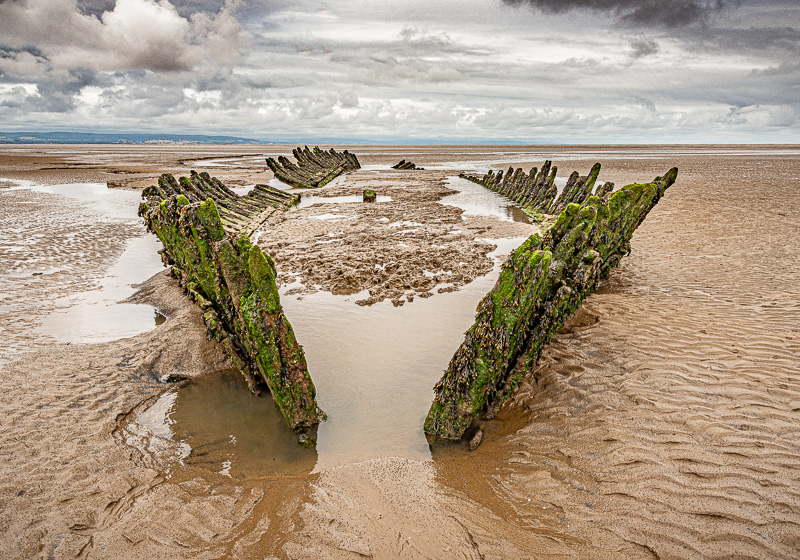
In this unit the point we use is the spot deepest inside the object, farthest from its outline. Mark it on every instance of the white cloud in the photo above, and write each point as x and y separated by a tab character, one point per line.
435	70
146	34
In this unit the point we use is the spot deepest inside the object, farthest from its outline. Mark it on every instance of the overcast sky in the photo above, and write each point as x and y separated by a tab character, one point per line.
539	71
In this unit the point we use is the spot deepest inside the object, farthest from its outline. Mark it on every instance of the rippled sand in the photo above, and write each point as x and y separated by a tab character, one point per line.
662	422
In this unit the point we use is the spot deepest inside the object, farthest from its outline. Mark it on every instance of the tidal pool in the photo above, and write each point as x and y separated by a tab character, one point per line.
476	200
373	367
95	315
99	315
215	423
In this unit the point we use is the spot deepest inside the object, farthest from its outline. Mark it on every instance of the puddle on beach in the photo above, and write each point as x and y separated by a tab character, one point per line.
216	424
375	367
476	200
310	200
97	315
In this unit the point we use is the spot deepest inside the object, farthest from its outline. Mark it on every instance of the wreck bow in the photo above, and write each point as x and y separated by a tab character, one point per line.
314	168
205	228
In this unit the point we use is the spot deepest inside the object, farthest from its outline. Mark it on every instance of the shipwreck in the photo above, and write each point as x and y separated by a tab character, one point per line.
205	228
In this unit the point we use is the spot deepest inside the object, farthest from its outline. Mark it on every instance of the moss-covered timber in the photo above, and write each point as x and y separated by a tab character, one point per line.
315	168
540	285
407	165
537	190
238	213
204	227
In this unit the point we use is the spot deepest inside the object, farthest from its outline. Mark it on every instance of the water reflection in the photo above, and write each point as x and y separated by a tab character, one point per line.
215	423
476	200
96	316
310	200
374	367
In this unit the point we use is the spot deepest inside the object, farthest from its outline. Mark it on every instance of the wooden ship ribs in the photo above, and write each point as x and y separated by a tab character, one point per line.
315	168
205	228
407	165
537	190
540	286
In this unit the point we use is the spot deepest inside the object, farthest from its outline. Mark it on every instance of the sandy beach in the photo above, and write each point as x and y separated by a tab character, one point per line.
662	421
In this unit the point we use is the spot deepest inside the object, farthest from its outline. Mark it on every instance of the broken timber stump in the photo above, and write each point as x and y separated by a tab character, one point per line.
315	168
369	196
540	285
205	229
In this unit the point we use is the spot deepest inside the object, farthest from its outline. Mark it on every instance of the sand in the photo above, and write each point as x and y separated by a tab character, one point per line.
403	247
661	422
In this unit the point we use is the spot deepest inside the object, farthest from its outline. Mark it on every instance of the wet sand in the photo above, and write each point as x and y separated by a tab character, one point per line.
662	422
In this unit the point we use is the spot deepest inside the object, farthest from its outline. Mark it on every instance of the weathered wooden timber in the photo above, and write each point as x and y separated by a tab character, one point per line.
540	285
537	190
315	168
205	228
407	165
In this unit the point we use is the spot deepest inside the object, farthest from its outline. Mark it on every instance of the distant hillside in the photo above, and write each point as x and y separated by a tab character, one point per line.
284	139
116	138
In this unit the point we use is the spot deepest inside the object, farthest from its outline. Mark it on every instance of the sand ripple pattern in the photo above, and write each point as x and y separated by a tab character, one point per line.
665	418
50	247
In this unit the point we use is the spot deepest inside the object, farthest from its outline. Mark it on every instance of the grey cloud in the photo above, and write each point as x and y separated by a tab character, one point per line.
184	7
656	13
780	40
10	52
734	117
642	47
57	95
95	7
416	37
188	8
783	116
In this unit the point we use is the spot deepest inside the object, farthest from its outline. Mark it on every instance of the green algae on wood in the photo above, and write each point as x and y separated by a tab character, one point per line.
315	168
537	190
205	228
407	165
540	286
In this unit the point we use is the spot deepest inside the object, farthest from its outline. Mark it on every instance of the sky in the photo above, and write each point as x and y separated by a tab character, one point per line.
412	71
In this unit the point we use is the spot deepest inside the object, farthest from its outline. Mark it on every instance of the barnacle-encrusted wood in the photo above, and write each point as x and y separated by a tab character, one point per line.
314	168
407	165
540	285
205	229
537	190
